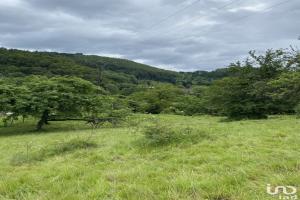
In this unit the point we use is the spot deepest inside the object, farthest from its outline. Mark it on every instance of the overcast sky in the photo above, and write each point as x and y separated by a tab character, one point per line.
182	35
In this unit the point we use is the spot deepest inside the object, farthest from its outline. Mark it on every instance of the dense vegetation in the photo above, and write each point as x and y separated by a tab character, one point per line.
55	86
115	75
263	85
56	99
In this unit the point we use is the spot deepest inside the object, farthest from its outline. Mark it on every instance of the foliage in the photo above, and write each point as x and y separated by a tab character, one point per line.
57	98
119	76
261	85
156	99
102	71
237	98
266	84
285	92
158	134
297	110
194	101
189	79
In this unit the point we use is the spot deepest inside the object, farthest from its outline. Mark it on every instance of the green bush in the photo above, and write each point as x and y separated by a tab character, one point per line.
160	135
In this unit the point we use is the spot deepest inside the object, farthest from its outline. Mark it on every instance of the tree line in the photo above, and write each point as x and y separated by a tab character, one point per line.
261	85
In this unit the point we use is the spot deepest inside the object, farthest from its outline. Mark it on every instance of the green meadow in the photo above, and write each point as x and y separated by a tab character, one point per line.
219	160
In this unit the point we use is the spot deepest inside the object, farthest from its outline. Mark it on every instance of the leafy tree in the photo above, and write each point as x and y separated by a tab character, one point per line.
58	98
237	98
156	99
285	92
13	100
258	86
193	102
273	63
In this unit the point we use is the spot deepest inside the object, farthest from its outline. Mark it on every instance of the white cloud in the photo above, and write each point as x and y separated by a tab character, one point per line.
109	55
252	8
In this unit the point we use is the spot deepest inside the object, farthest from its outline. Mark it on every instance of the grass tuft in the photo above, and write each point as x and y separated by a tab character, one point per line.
51	151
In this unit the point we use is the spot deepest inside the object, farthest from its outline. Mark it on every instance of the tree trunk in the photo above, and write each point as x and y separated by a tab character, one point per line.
43	120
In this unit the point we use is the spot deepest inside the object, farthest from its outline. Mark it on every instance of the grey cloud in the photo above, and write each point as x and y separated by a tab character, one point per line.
202	37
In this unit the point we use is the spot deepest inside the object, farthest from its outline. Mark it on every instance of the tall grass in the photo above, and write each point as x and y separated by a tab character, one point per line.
30	154
231	161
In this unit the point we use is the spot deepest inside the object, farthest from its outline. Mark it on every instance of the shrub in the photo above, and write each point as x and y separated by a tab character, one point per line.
159	135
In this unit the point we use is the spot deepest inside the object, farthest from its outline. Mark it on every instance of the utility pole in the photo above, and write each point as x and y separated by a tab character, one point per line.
100	70
100	75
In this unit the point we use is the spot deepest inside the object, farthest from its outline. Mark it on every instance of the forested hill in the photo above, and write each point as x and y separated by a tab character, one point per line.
17	63
111	73
261	85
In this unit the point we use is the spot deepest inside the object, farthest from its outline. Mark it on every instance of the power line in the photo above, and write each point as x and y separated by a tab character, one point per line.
218	8
264	11
173	14
249	15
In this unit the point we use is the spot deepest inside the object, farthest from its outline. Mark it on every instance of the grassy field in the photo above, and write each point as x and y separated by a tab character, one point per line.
229	161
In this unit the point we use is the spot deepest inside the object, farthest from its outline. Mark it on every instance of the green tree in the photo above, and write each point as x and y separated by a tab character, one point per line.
285	92
238	98
257	87
156	99
50	99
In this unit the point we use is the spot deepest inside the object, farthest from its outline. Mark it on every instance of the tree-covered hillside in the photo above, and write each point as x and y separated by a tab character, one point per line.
111	73
104	71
